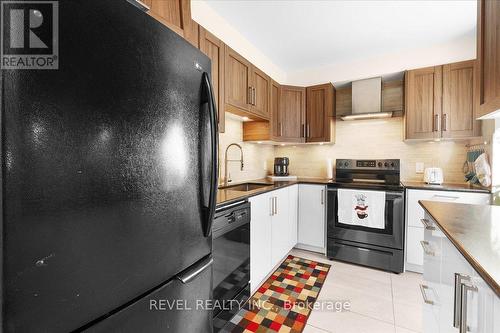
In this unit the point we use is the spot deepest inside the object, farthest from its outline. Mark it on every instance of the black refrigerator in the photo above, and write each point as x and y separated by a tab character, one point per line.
109	179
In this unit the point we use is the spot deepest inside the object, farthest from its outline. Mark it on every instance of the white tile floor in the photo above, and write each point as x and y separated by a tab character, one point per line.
380	301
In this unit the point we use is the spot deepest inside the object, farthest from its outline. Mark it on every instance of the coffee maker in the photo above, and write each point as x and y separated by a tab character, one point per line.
281	166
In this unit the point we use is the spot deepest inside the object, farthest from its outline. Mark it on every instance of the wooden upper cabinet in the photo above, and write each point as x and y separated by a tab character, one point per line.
261	86
237	82
247	87
214	48
275	112
320	121
459	101
292	114
488	55
175	14
423	103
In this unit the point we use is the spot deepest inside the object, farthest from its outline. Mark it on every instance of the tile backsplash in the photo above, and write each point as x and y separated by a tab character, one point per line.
371	139
377	139
258	159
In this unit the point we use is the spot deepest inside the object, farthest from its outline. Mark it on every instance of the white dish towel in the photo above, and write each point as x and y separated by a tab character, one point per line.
362	208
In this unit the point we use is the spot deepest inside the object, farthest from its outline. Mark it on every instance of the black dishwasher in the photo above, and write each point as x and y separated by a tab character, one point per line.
231	266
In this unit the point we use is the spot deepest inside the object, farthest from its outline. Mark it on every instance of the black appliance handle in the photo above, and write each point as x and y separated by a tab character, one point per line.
208	206
191	273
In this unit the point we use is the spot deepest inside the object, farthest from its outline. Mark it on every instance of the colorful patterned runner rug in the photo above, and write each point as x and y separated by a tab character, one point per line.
284	302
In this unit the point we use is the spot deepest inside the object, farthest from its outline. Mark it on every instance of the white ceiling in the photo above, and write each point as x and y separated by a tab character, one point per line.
297	35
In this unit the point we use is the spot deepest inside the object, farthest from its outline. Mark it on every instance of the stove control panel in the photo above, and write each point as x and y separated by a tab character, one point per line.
392	164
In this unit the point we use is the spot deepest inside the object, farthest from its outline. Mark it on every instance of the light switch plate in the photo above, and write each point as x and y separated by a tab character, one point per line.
419	167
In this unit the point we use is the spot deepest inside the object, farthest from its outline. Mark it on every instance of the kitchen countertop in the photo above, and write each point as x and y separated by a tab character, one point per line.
475	232
462	187
227	196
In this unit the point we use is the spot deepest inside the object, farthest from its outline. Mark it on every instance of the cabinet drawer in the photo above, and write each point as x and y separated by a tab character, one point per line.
415	212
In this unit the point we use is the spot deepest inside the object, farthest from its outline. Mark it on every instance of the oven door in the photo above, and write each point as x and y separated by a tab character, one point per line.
231	253
391	236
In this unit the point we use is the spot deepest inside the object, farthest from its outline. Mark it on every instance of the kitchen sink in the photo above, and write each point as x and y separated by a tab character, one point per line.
245	187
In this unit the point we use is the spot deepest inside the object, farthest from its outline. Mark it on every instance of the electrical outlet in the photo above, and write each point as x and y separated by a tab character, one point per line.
419	167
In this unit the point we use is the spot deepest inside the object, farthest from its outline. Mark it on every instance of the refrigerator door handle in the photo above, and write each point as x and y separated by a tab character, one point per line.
210	209
192	272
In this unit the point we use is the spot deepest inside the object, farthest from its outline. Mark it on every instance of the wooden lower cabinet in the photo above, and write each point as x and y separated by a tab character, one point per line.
320	117
214	48
488	55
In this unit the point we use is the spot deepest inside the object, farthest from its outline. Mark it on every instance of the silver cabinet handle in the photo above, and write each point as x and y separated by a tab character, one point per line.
271	206
457	303
444	125
322	197
250	93
464	288
427	224
275	205
308	131
444	197
436	123
427	250
304	130
423	288
281	129
139	4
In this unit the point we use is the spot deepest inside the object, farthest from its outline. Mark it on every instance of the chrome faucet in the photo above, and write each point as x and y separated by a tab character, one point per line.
226	180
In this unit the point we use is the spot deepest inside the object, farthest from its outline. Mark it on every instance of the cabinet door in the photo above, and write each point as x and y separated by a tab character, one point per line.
261	85
276	121
214	49
293	198
237	81
175	14
260	239
280	230
319	113
293	106
312	216
423	103
488	55
458	119
414	252
414	213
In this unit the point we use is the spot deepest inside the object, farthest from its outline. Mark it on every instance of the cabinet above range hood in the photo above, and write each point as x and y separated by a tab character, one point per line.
367	100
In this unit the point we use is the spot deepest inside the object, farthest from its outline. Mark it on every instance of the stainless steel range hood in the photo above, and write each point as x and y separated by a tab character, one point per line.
367	100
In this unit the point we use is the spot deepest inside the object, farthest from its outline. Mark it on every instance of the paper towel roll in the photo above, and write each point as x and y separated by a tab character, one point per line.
329	168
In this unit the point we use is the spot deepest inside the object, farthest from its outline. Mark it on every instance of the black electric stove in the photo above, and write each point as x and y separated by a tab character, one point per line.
381	248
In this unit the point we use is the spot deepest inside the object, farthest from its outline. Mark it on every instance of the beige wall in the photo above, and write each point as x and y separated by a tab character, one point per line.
258	158
377	139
